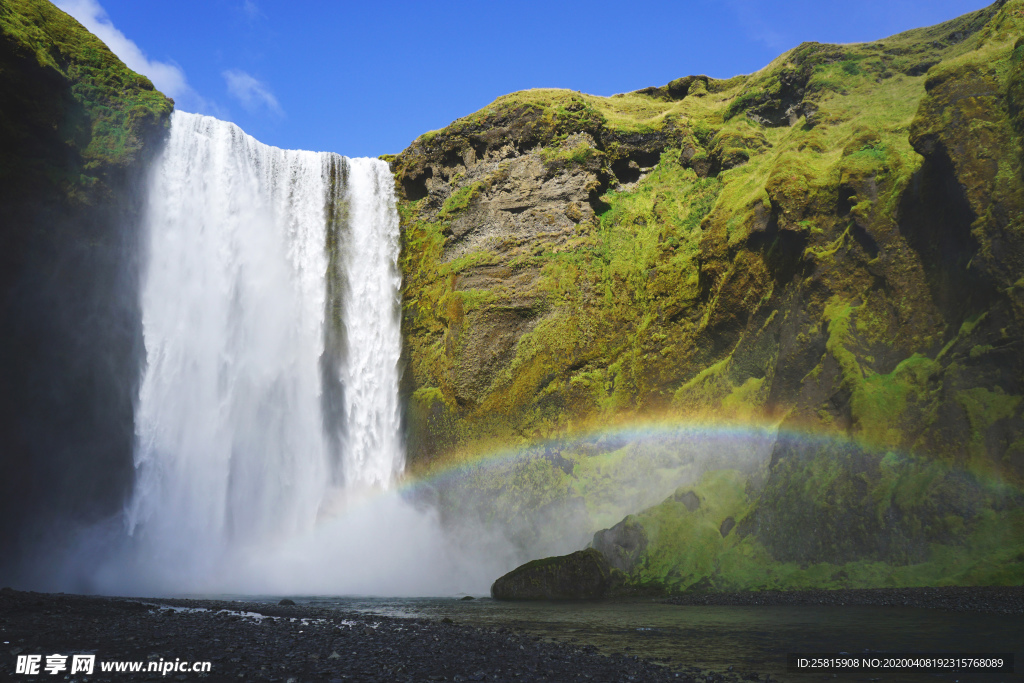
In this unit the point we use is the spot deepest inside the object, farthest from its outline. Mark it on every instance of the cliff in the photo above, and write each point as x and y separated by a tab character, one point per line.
824	257
831	246
77	128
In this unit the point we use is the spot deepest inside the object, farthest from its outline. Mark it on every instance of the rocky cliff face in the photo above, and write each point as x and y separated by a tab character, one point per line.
77	128
832	245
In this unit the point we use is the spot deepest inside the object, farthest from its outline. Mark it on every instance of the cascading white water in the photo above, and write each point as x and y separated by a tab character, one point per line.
233	446
372	452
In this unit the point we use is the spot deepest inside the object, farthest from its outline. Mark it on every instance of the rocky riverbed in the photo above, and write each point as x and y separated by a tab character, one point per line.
251	641
292	643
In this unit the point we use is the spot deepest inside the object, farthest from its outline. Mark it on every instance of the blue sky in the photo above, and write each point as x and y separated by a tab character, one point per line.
364	78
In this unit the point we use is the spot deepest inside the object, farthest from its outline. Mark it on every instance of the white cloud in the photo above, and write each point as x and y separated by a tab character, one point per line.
252	93
252	11
168	78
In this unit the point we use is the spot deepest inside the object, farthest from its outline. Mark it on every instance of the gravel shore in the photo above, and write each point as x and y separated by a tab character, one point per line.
293	644
991	600
245	641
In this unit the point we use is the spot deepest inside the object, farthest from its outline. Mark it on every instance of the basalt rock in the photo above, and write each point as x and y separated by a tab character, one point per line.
583	575
622	545
687	498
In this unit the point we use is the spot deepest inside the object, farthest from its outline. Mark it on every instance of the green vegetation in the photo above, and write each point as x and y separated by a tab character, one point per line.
77	129
105	116
459	201
781	247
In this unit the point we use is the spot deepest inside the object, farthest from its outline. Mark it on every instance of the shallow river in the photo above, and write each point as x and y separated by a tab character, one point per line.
755	638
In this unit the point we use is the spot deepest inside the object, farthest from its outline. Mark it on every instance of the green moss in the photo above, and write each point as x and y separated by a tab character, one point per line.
880	402
473	299
684	545
772	266
984	408
838	317
648	239
979	546
459	201
576	155
120	108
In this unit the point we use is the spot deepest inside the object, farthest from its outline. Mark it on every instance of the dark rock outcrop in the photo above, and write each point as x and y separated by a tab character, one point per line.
688	498
583	575
623	545
727	525
76	134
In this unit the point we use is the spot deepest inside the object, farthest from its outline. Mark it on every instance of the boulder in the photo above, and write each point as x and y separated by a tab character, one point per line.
687	498
583	575
727	526
623	544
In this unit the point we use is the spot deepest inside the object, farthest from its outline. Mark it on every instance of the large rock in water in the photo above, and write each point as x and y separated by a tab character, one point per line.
583	575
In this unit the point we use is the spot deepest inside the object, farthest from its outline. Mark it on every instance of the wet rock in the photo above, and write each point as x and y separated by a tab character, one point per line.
727	526
583	575
624	544
286	601
687	498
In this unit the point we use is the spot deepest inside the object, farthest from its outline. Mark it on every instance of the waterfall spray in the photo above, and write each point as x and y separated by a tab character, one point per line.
271	323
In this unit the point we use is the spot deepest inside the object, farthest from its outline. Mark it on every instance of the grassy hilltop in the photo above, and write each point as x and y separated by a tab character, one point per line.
833	245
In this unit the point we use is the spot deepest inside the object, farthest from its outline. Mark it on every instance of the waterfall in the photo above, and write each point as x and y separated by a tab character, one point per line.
271	324
372	450
268	433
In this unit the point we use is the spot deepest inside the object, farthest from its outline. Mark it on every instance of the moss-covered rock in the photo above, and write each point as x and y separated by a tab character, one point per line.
73	114
77	129
830	245
583	575
623	545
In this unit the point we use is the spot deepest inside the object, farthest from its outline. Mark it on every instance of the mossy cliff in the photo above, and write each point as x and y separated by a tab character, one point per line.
76	127
833	245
